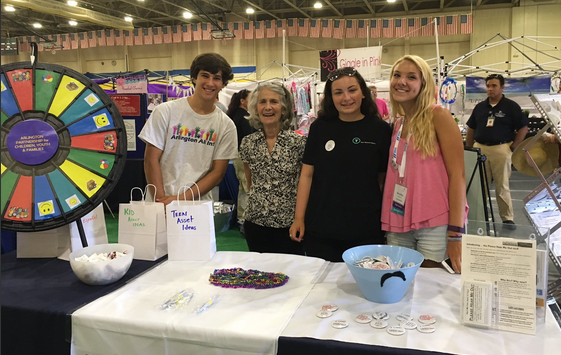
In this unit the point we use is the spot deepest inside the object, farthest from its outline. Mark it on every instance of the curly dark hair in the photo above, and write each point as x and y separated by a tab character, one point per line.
327	109
235	102
212	63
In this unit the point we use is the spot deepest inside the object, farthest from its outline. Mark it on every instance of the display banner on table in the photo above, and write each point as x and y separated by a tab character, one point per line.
132	84
367	60
476	88
190	226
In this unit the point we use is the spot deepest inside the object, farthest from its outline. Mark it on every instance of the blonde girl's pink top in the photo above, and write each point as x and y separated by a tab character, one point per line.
426	203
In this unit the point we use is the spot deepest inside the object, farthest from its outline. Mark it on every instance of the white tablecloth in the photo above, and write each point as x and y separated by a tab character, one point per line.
243	321
434	292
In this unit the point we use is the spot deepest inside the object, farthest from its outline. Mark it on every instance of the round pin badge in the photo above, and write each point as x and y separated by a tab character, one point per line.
396	330
324	314
381	315
427	319
330	145
339	324
426	328
363	319
379	323
329	307
403	317
409	325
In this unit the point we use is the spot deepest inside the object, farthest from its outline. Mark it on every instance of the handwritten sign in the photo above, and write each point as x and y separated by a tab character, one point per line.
132	84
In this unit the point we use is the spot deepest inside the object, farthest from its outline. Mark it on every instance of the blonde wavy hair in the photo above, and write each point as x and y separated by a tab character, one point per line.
421	125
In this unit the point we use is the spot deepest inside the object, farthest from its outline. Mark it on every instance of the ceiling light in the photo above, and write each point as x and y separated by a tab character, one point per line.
187	14
37	25
72	23
391	0
249	10
318	5
128	18
9	8
72	3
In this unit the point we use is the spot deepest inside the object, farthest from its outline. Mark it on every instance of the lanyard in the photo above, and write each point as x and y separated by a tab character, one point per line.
400	168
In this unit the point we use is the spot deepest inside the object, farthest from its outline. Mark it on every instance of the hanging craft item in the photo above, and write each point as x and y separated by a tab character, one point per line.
63	146
448	91
240	278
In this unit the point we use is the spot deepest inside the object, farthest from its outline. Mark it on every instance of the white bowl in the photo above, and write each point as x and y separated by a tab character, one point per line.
102	272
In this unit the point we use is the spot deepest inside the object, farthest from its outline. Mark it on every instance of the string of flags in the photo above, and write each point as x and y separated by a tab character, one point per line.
314	28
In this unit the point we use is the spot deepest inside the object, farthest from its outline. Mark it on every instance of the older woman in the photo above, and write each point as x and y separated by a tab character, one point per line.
272	159
344	166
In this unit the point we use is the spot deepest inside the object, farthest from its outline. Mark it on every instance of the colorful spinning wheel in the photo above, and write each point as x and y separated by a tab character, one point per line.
63	146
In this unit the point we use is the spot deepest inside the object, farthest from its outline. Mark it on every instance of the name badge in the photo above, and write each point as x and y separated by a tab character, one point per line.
398	203
491	121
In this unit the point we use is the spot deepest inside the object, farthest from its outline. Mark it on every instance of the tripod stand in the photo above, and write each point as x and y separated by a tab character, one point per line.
474	199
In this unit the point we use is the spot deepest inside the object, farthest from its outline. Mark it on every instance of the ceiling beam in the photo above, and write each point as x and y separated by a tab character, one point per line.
136	4
261	9
72	12
369	6
337	12
297	8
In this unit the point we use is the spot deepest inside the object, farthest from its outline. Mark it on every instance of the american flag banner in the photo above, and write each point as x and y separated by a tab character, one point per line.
387	28
400	27
413	27
259	29
205	31
315	28
350	28
427	26
74	41
137	34
466	24
375	28
281	26
92	40
270	28
166	34
129	37
176	32
119	40
361	31
248	30
338	29
237	30
195	33
147	34
109	38
65	39
292	27
452	25
440	25
83	40
157	34
22	44
40	48
185	33
101	38
326	28
303	27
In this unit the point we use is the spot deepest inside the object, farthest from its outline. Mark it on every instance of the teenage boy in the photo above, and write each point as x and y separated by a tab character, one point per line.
190	139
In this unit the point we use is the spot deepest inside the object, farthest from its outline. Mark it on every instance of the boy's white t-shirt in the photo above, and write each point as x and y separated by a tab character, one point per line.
190	142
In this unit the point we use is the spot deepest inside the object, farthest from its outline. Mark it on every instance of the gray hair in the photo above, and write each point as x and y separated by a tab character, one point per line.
287	103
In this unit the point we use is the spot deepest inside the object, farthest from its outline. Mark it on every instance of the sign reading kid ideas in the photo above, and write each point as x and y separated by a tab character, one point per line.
366	60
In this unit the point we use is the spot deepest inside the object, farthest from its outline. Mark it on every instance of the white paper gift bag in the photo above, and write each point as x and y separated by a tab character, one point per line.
94	229
142	224
61	241
190	230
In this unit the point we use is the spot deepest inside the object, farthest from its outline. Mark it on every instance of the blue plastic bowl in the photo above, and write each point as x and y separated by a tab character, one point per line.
383	286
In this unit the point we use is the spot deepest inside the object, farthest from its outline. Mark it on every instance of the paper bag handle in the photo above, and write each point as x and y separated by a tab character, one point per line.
138	188
155	191
185	187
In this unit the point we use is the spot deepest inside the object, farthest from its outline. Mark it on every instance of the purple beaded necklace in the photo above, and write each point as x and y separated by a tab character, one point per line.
240	278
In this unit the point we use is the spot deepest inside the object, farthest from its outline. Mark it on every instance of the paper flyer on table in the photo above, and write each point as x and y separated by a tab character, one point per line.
499	273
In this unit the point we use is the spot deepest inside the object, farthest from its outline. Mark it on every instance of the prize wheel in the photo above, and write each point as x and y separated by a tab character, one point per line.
63	146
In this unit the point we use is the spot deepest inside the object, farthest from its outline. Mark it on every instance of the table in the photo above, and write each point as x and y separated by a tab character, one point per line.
38	297
434	291
242	321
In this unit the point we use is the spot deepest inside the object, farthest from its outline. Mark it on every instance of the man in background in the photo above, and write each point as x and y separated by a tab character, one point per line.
497	126
382	107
